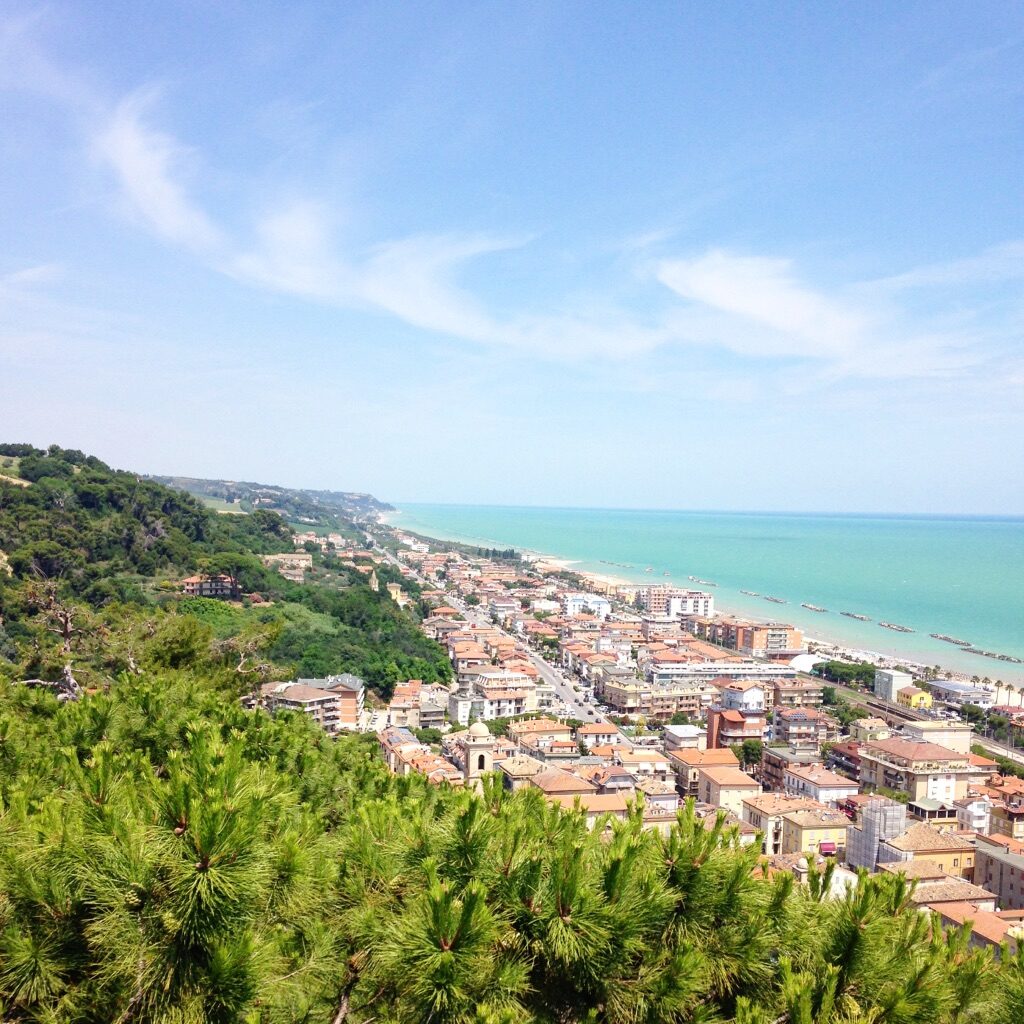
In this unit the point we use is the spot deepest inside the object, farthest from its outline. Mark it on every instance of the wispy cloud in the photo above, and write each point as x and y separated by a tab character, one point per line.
782	316
999	263
146	163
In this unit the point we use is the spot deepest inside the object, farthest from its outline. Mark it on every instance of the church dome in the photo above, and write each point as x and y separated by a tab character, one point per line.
479	730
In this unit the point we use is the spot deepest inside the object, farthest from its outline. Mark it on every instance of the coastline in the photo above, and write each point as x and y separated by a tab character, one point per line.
827	647
850	640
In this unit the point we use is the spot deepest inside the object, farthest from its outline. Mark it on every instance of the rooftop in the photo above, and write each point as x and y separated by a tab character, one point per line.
922	838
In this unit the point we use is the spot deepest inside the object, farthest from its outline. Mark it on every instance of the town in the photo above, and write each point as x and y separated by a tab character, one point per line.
619	700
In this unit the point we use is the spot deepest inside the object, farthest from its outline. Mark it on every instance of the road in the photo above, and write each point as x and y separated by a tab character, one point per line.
576	706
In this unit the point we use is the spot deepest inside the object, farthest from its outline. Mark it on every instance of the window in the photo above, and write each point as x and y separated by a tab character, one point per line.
481	761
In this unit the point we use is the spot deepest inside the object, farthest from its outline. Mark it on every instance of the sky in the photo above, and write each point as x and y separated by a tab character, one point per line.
731	256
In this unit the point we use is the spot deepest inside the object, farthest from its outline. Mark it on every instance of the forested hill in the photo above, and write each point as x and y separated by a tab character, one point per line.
90	560
297	505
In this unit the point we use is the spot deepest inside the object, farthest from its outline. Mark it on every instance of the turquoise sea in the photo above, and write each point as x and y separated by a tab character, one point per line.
960	576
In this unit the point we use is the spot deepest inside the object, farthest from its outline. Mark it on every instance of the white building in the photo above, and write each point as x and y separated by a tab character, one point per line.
705	671
584	604
952	692
691	602
818	783
889	682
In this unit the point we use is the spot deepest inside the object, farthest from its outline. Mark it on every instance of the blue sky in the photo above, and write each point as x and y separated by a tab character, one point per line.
602	254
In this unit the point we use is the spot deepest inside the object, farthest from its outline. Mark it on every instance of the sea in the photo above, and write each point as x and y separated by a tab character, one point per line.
963	577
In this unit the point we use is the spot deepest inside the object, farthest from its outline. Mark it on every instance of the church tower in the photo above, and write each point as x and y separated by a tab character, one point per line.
479	744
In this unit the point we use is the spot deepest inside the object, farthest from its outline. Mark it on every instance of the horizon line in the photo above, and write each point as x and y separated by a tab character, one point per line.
1007	516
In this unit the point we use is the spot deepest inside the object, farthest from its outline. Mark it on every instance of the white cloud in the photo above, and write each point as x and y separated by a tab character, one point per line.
778	315
752	305
146	162
999	263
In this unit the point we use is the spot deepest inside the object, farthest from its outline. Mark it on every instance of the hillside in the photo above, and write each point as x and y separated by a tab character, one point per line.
91	559
310	507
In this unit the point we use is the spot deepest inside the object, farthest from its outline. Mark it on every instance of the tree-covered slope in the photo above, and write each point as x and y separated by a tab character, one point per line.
88	579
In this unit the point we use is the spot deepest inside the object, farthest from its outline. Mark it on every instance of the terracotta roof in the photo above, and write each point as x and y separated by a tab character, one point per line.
699	758
985	924
950	890
780	803
921	838
600	803
729	776
916	751
555	781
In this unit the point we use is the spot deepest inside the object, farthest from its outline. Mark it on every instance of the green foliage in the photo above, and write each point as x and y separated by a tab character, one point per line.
166	856
95	556
849	673
749	752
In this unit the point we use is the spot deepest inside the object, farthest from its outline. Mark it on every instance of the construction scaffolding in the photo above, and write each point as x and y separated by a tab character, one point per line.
880	819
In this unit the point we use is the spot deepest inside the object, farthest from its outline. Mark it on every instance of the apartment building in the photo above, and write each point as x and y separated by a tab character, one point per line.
727	727
889	682
921	770
999	867
674	602
775	761
949	852
802	728
819	784
765	810
799	693
687	764
816	831
768	640
725	786
333	702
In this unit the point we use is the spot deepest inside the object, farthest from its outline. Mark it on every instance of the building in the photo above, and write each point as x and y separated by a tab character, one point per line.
727	727
680	737
914	697
818	784
334	703
867	730
586	604
594	735
643	763
725	786
817	830
765	810
844	757
999	867
889	682
479	752
974	814
687	764
951	692
918	769
349	690
674	602
776	760
880	819
223	588
949	852
954	735
768	640
799	693
540	728
802	728
988	930
751	696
